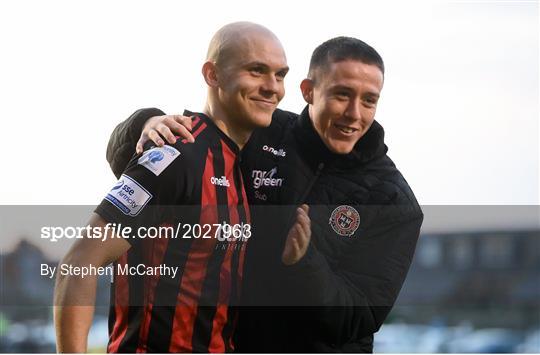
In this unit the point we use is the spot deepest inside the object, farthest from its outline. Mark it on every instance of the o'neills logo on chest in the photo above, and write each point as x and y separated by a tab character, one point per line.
222	181
266	178
276	152
345	220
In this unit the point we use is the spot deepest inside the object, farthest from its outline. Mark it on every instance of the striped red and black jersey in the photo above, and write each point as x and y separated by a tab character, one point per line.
193	188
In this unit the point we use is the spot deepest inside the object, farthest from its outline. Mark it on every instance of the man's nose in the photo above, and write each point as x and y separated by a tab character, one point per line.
354	110
271	84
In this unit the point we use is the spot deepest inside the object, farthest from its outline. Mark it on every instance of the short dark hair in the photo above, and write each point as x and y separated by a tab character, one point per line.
343	48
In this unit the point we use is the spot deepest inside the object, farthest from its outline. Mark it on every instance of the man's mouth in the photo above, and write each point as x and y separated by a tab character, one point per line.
264	102
345	129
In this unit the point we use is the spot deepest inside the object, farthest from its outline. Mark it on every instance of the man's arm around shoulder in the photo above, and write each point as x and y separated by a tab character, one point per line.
124	138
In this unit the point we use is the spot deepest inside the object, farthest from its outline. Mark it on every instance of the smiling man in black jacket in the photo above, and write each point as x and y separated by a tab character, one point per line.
333	291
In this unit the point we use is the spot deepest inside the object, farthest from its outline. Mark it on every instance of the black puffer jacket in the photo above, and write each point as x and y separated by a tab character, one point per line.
365	224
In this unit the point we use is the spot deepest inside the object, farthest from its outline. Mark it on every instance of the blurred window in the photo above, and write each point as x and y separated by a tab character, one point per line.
462	252
532	252
497	251
430	252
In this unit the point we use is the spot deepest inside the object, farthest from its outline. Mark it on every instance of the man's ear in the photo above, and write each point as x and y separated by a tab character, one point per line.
209	72
306	86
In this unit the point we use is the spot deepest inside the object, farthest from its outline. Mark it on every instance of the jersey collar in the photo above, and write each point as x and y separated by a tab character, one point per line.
210	123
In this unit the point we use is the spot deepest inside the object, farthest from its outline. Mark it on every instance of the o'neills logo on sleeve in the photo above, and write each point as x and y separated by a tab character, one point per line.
266	178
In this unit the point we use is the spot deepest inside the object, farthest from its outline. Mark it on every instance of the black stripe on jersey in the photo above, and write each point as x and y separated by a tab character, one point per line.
202	332
136	297
131	339
196	127
242	216
232	311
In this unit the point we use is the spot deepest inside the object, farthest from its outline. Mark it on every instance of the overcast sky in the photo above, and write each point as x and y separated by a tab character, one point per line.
460	102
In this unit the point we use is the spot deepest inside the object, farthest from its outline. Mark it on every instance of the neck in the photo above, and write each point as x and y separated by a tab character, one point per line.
310	115
237	133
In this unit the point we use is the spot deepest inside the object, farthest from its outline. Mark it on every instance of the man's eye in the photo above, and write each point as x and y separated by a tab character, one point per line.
281	75
342	95
371	101
257	70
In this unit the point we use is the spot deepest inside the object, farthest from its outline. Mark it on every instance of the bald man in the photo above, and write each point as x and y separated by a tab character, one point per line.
174	294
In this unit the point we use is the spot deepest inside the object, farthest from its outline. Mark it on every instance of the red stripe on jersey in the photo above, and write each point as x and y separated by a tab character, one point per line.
121	308
195	268
155	252
195	120
217	344
198	131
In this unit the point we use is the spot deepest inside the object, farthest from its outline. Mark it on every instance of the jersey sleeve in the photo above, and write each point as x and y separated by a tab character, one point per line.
152	182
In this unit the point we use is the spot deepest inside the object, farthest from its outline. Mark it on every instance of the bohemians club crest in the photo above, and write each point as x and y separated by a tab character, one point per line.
345	220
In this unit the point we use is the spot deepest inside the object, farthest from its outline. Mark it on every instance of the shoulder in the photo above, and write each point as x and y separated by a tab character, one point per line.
282	123
284	115
139	117
388	187
276	133
378	182
282	119
390	179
